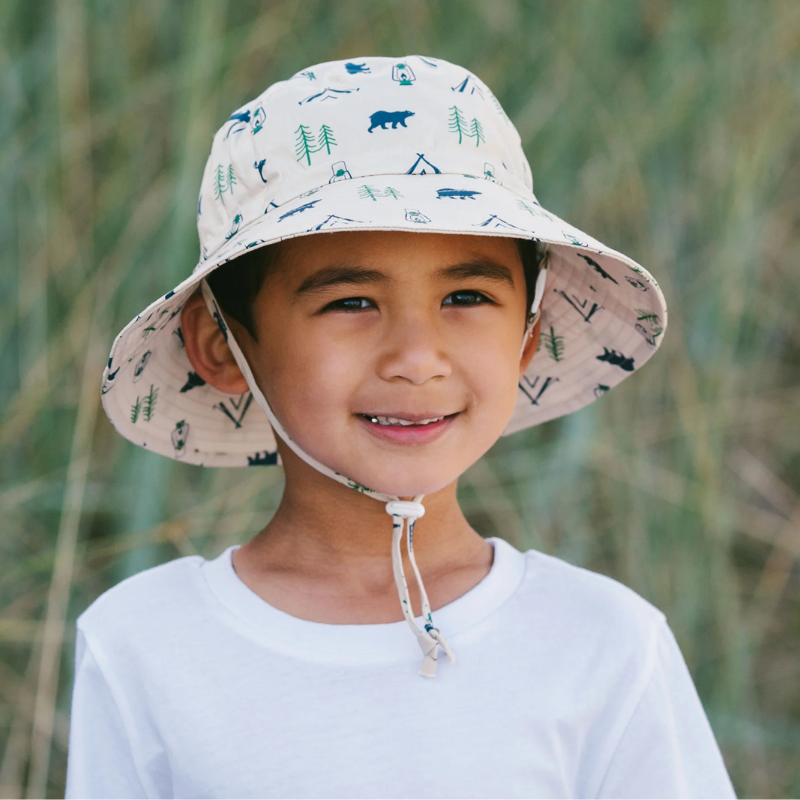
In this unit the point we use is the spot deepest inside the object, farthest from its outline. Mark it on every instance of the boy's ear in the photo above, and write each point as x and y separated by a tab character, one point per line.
530	347
207	350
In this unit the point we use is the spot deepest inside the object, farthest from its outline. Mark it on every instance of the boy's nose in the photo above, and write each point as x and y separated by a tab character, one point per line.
414	350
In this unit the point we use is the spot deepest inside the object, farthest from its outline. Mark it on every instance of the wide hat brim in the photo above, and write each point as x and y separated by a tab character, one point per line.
603	315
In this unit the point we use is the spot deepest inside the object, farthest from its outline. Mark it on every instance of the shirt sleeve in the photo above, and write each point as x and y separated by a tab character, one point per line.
667	748
100	762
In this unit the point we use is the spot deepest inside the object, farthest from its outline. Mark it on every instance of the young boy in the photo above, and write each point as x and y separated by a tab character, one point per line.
378	362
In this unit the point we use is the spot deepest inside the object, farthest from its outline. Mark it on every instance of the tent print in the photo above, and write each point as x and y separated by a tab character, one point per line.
332	221
468	86
419	167
494	221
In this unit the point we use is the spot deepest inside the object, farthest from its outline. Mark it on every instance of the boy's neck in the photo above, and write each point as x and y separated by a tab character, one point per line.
328	541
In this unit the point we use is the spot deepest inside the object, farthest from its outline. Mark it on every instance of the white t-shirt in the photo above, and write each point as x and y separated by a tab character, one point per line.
566	684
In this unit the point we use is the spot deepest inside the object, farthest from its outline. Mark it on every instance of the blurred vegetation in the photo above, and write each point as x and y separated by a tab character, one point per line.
669	130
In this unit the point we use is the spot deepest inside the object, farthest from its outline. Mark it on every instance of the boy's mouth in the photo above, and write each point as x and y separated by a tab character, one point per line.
407	429
407	420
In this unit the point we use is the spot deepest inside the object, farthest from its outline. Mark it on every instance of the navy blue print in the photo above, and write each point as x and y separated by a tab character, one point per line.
259	165
461	194
332	221
326	94
597	268
636	283
192	380
617	359
297	210
496	222
533	390
262	459
419	168
382	118
239	122
580	306
467	86
239	406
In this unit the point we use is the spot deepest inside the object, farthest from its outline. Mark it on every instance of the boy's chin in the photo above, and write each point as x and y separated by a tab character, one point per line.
404	486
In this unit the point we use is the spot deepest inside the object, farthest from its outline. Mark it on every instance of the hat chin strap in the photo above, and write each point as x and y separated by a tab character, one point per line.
404	513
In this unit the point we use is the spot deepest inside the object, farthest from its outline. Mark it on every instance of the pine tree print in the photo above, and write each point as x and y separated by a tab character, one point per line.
390	192
149	404
220	184
136	409
554	345
368	192
645	316
476	131
231	178
357	486
305	144
326	139
457	124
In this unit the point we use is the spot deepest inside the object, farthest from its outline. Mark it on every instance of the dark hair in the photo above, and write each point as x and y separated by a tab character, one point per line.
236	284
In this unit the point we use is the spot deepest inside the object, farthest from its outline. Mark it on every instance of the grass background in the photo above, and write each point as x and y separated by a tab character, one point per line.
669	130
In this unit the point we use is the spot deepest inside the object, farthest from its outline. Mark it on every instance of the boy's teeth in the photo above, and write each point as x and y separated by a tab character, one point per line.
397	421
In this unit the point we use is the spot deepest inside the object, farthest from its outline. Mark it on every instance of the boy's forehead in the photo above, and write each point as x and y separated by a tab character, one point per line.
393	249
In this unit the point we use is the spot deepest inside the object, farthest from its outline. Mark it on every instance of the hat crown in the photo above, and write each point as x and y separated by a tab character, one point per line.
350	120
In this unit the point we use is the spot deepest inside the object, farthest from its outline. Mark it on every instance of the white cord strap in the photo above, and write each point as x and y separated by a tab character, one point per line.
404	512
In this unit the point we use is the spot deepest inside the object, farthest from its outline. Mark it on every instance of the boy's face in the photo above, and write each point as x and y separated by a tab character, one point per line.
355	325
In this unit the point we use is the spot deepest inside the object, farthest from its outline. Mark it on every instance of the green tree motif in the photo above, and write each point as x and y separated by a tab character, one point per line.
357	486
476	131
305	144
497	105
370	192
554	345
231	178
149	404
390	192
136	409
220	183
535	211
326	139
457	124
646	316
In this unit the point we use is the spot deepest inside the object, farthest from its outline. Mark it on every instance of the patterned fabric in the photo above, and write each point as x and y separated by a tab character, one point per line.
377	144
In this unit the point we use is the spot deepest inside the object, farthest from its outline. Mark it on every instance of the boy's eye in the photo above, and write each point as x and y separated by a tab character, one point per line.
466	298
348	304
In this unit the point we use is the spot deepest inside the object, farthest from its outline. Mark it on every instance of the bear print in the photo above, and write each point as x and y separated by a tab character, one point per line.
382	117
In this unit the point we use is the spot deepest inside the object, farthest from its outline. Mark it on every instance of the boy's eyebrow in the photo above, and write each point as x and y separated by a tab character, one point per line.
478	268
336	275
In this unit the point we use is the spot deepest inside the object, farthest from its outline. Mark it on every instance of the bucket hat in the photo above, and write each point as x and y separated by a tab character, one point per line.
376	143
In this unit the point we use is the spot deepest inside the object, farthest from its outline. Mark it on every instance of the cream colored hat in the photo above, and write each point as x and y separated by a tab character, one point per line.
412	143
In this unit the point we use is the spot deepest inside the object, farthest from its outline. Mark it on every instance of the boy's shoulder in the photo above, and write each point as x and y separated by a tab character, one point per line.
588	606
152	597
